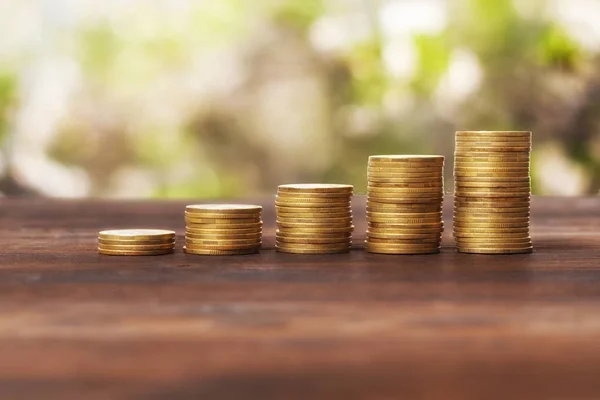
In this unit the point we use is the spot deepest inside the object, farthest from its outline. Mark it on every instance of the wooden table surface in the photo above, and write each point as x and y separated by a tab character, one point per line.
77	325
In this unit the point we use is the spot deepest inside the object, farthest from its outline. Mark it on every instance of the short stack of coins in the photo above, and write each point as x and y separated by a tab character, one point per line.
492	192
136	242
223	229
314	218
404	204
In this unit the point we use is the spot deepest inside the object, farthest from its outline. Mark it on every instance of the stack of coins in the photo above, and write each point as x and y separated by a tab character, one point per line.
136	242
492	192
223	229
314	218
404	204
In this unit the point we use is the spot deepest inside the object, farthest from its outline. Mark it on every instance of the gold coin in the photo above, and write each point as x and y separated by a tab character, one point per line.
465	150
308	235
225	231
229	236
383	182
190	226
222	221
495	251
508	212
406	194
403	221
403	247
319	195
313	210
135	242
494	133
312	246
495	192
484	229
410	215
497	200
210	252
487	243
468	183
314	225
428	205
407	199
493	178
383	234
467	225
471	233
401	225
407	209
137	234
492	139
405	190
402	185
425	217
319	230
426	242
493	160
387	173
407	158
490	143
229	217
402	229
318	220
460	184
109	252
514	236
312	202
223	208
194	246
316	188
503	213
467	205
314	240
497	237
222	243
402	170
495	218
490	161
492	170
482	174
495	243
307	215
292	250
136	247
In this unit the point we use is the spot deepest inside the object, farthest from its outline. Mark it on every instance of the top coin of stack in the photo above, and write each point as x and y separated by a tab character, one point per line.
223	229
136	242
404	204
314	218
492	192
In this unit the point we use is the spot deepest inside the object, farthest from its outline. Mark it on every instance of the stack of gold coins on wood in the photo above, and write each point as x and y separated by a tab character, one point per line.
492	192
404	204
223	229
136	242
314	218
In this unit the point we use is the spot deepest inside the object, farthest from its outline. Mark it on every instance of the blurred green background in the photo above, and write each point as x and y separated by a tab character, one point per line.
229	98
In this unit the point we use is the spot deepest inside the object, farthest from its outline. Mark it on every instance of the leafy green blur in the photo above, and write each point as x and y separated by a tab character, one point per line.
204	99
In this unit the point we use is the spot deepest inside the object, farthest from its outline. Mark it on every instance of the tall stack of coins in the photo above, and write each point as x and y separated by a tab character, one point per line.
314	218
223	229
136	242
404	204
492	192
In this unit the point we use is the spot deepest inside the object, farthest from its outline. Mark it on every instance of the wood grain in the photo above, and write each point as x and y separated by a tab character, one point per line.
74	324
